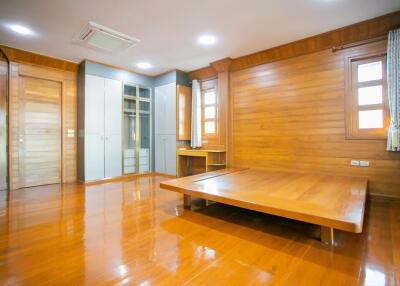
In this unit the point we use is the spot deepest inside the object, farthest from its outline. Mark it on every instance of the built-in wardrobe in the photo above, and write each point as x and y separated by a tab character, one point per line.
101	131
114	123
165	128
172	109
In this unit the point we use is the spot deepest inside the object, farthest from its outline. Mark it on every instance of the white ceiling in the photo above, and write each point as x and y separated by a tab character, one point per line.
168	28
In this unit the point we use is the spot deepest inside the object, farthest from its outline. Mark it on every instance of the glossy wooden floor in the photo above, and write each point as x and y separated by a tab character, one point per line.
134	233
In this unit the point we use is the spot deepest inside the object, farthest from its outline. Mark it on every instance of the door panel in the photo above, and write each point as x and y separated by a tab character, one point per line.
94	128
40	132
170	154
160	153
165	109
94	105
113	132
94	157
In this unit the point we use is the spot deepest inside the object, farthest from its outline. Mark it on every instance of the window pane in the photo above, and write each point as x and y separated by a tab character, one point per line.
209	112
370	119
130	90
209	127
370	95
209	97
370	71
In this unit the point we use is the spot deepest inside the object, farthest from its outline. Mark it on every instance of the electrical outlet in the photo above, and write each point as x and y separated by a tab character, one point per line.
364	163
355	163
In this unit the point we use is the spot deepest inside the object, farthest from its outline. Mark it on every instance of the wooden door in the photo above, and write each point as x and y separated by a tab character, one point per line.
40	132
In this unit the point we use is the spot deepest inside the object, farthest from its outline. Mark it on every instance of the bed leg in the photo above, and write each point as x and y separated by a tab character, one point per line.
187	202
327	235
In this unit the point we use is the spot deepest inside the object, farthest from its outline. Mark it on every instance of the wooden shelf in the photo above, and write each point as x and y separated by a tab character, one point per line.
196	161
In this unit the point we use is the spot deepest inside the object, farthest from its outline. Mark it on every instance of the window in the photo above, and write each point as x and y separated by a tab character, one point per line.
366	110
209	114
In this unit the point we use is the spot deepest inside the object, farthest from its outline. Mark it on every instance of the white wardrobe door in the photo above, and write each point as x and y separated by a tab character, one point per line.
170	109
165	109
94	157
94	128
160	153
170	154
113	122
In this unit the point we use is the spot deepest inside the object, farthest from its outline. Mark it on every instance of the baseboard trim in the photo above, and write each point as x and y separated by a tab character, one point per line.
382	197
114	179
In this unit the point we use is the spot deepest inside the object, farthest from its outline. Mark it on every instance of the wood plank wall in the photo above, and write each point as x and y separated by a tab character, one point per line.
289	115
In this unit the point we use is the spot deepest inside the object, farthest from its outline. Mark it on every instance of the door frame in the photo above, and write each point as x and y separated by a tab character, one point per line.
66	79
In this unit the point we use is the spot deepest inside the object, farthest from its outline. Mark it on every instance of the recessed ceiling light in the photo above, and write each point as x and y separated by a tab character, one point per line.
22	30
207	40
144	65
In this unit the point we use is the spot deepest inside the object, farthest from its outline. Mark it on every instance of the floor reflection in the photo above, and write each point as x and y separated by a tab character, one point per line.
132	233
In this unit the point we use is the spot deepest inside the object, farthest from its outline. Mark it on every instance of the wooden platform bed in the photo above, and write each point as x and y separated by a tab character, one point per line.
329	201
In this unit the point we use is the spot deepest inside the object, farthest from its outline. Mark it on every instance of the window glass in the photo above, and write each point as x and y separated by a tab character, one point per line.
369	71
209	97
370	119
370	95
209	127
209	112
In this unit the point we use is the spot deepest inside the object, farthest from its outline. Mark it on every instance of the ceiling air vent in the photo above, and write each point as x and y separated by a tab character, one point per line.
104	39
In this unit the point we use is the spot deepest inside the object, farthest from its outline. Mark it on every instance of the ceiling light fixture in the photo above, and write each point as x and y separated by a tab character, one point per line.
207	40
144	65
22	30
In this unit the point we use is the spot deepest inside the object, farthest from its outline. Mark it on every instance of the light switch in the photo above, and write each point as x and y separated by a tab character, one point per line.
70	132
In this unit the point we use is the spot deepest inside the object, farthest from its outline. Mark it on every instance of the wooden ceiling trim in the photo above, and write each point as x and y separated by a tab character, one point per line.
21	56
222	65
203	73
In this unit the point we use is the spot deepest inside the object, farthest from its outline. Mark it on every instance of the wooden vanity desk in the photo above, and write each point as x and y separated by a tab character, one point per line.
195	161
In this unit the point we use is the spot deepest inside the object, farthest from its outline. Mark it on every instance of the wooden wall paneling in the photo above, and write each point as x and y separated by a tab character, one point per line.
289	115
222	67
69	119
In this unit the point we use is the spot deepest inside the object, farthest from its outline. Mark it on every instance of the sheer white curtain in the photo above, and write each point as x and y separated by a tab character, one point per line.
393	77
196	115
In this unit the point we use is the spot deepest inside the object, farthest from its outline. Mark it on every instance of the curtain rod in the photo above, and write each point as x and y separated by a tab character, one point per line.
360	43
